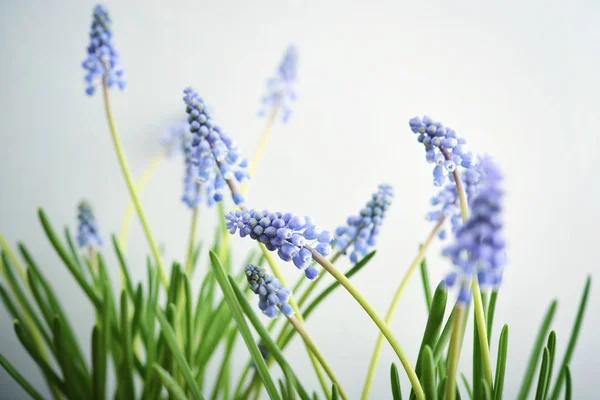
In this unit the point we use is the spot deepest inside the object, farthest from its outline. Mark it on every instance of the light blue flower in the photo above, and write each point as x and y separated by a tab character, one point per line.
272	296
87	232
281	88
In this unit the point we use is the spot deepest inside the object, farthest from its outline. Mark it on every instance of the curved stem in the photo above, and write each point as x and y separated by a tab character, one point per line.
130	211
394	305
131	185
189	265
313	348
260	148
383	327
454	351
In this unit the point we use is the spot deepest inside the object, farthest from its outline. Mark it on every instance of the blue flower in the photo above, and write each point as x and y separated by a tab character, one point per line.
272	296
213	152
281	88
172	140
103	60
87	233
292	236
479	249
362	230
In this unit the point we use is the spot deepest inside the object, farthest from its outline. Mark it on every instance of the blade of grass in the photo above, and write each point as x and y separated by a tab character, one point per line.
428	374
335	395
73	249
536	351
124	269
170	384
552	353
501	363
426	285
395	381
183	366
467	386
75	386
98	364
20	379
126	376
573	339
543	377
490	314
568	385
243	327
225	365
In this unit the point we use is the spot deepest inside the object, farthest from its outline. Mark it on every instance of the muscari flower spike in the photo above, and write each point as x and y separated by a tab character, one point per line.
173	138
292	236
362	230
87	233
281	88
103	60
479	250
272	296
450	153
216	155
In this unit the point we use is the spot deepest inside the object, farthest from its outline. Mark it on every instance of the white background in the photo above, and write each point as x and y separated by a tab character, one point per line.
518	79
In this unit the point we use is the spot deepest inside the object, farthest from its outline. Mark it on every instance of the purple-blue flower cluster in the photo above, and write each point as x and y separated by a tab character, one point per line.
271	294
212	150
281	88
442	147
103	59
87	232
174	137
291	235
362	230
479	249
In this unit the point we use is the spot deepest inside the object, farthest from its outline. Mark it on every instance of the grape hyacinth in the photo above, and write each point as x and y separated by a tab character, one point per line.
281	88
362	230
103	60
272	296
291	235
87	233
215	154
173	139
479	247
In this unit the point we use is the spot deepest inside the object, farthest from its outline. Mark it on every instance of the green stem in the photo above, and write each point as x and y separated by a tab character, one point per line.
190	253
383	327
454	351
482	331
131	184
315	350
394	305
260	148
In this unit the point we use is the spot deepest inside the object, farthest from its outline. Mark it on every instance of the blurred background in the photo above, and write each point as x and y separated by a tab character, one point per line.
518	79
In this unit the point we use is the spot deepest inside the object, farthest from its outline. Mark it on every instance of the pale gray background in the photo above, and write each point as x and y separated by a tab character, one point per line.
518	79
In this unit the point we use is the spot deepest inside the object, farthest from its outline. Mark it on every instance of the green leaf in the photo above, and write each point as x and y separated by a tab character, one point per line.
428	372
72	248
124	269
442	388
73	383
395	380
501	363
335	395
188	322
68	261
138	308
444	338
268	341
225	365
283	390
434	321
126	374
172	386
467	386
535	353
183	366
487	392
98	364
243	327
490	315
478	378
552	353
572	339
8	367
568	385
426	285
543	377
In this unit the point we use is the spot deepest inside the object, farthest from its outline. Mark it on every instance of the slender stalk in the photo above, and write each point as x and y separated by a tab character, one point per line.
454	351
394	305
131	184
130	211
260	148
315	350
190	253
383	327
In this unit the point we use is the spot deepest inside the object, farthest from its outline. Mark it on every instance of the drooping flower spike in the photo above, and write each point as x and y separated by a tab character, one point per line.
273	297
362	230
281	88
450	154
216	155
103	59
479	250
87	232
292	236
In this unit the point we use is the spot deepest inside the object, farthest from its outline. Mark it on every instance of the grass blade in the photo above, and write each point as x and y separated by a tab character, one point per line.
543	377
8	367
184	368
74	384
243	327
536	351
568	385
428	374
98	364
501	363
426	285
73	249
395	381
552	353
124	270
172	386
335	395
572	339
126	374
490	314
467	386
